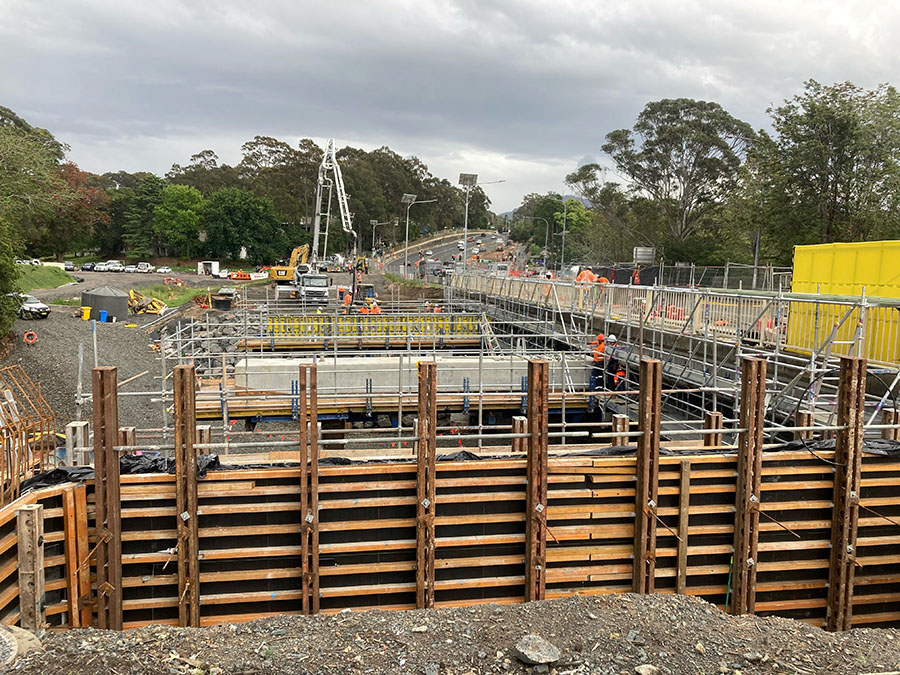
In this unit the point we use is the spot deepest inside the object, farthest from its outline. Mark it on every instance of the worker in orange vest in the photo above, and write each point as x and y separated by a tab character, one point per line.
375	309
615	371
598	353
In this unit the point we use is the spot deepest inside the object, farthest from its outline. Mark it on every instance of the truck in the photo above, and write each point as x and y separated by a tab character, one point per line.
208	268
311	288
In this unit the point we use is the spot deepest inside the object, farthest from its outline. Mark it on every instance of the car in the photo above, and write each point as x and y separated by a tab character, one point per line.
115	267
36	262
23	262
165	269
87	267
69	266
131	269
101	267
429	252
144	267
475	251
29	306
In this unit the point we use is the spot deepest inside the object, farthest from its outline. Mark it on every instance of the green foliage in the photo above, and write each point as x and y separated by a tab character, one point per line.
137	234
70	223
43	276
30	186
685	155
176	220
234	218
831	172
173	296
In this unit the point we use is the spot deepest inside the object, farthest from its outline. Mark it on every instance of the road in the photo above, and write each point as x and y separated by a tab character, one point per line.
444	252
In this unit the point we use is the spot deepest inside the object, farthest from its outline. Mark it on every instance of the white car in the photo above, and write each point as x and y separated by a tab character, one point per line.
101	267
165	269
429	252
29	306
475	251
144	267
131	269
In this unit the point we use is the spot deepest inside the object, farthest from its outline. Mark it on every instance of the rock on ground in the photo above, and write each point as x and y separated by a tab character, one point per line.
589	632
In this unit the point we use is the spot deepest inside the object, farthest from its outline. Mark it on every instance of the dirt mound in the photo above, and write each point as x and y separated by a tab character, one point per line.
608	634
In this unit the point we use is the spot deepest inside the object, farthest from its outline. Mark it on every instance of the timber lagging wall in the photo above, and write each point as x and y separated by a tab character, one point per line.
249	533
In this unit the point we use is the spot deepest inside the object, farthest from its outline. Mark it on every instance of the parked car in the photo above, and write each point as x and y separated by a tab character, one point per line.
429	252
115	267
144	267
23	262
165	269
101	267
69	266
131	268
30	307
87	267
36	262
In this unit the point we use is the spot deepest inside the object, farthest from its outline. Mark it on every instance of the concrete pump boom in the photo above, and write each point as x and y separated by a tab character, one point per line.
330	164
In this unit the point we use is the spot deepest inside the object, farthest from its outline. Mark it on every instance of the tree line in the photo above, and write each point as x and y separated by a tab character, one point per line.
264	205
702	186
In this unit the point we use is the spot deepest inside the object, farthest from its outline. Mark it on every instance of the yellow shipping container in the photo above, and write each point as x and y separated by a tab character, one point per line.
845	270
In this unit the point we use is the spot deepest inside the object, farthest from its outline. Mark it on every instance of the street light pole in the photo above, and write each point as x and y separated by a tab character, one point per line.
374	224
410	200
469	181
562	254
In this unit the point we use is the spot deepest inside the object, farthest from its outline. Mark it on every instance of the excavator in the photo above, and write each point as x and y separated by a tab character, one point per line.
285	273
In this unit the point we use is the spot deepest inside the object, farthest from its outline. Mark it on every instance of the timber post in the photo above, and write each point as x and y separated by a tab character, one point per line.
426	445
712	420
30	535
184	389
536	482
108	502
847	484
647	474
748	492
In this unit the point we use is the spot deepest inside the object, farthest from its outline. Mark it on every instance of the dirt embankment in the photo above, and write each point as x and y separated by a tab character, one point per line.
616	634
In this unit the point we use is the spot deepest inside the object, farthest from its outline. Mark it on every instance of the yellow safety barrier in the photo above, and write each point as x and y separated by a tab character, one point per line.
362	325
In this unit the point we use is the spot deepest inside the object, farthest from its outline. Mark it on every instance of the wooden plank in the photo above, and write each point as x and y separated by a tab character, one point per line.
890	417
82	555
647	490
30	531
748	494
847	479
536	476
71	553
684	506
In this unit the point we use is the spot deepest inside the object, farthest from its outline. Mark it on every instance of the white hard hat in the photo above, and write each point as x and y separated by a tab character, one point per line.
611	338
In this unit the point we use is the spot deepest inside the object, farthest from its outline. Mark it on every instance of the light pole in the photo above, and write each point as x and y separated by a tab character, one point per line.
409	200
374	224
562	254
469	181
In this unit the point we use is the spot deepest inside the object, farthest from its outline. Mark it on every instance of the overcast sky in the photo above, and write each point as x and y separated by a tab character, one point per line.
519	90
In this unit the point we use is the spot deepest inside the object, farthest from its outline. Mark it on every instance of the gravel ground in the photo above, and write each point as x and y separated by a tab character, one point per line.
608	634
52	363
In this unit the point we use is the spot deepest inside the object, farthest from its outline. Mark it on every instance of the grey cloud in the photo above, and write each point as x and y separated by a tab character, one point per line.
524	84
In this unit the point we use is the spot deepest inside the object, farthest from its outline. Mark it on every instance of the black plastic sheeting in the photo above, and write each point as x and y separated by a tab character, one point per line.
138	464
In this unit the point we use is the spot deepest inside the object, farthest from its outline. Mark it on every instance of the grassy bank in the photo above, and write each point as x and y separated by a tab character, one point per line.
31	278
173	296
411	283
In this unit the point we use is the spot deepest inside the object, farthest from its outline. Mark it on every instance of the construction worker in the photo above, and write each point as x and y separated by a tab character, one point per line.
615	371
348	298
375	309
599	355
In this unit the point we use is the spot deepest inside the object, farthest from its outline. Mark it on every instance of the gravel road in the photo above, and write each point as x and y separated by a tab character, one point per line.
613	634
52	363
125	281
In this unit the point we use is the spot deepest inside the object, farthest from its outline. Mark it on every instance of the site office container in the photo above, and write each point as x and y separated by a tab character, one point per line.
848	269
